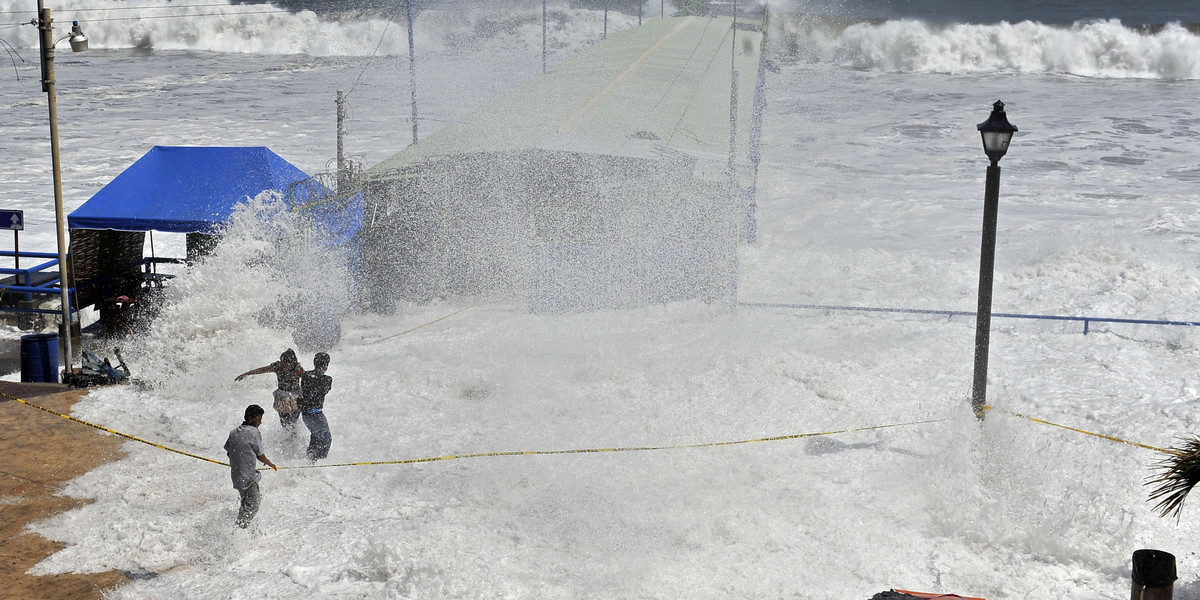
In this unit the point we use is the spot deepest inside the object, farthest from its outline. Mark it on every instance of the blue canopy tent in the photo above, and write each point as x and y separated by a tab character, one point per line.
191	190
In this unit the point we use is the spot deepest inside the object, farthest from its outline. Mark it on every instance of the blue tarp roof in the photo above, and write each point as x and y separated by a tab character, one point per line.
187	189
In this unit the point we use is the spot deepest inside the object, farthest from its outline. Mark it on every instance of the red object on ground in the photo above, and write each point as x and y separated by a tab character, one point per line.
935	596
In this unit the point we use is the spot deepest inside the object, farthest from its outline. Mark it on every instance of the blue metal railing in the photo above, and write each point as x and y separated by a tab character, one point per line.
49	284
1087	321
24	279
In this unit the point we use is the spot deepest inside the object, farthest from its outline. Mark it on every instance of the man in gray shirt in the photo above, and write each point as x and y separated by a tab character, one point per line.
244	446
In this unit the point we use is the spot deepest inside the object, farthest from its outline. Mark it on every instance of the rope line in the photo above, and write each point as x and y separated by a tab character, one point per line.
1086	432
605	450
419	326
117	433
615	449
176	451
429	459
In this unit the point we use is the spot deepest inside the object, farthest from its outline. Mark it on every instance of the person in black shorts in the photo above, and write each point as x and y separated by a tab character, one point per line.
314	385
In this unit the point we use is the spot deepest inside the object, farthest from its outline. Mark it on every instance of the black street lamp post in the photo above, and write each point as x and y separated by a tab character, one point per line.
997	132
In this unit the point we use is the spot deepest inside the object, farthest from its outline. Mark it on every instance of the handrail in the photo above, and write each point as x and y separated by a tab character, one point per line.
26	274
51	286
11	254
1087	321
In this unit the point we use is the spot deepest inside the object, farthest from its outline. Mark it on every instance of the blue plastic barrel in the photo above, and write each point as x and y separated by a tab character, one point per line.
39	357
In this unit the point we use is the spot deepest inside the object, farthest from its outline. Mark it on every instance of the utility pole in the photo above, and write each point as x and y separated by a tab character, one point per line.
733	110
412	70
343	184
46	28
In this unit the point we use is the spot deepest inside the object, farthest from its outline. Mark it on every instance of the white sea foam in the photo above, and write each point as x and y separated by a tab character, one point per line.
870	194
1091	49
273	30
266	280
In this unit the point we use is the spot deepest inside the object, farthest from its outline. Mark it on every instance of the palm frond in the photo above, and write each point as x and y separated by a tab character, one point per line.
1180	472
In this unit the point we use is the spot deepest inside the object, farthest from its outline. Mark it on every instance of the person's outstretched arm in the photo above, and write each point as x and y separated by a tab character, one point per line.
258	371
267	461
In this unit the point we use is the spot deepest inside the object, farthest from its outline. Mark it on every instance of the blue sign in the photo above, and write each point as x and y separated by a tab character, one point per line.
12	219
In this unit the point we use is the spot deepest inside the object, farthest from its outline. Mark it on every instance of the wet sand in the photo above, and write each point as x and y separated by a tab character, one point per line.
40	453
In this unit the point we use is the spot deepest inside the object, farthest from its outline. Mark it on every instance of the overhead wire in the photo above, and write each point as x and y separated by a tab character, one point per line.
679	73
13	55
386	25
712	60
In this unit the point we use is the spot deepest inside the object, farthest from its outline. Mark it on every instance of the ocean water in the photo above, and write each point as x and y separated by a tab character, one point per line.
1150	13
871	194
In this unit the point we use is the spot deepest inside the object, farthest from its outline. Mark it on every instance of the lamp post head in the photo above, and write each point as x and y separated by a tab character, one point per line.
79	42
997	132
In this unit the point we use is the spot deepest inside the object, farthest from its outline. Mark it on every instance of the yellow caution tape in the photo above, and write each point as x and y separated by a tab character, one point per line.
418	327
1085	432
616	449
169	449
482	454
118	433
428	459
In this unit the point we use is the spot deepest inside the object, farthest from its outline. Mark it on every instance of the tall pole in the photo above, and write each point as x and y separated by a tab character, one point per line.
46	27
605	20
733	38
759	105
342	183
412	69
733	110
987	261
544	36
